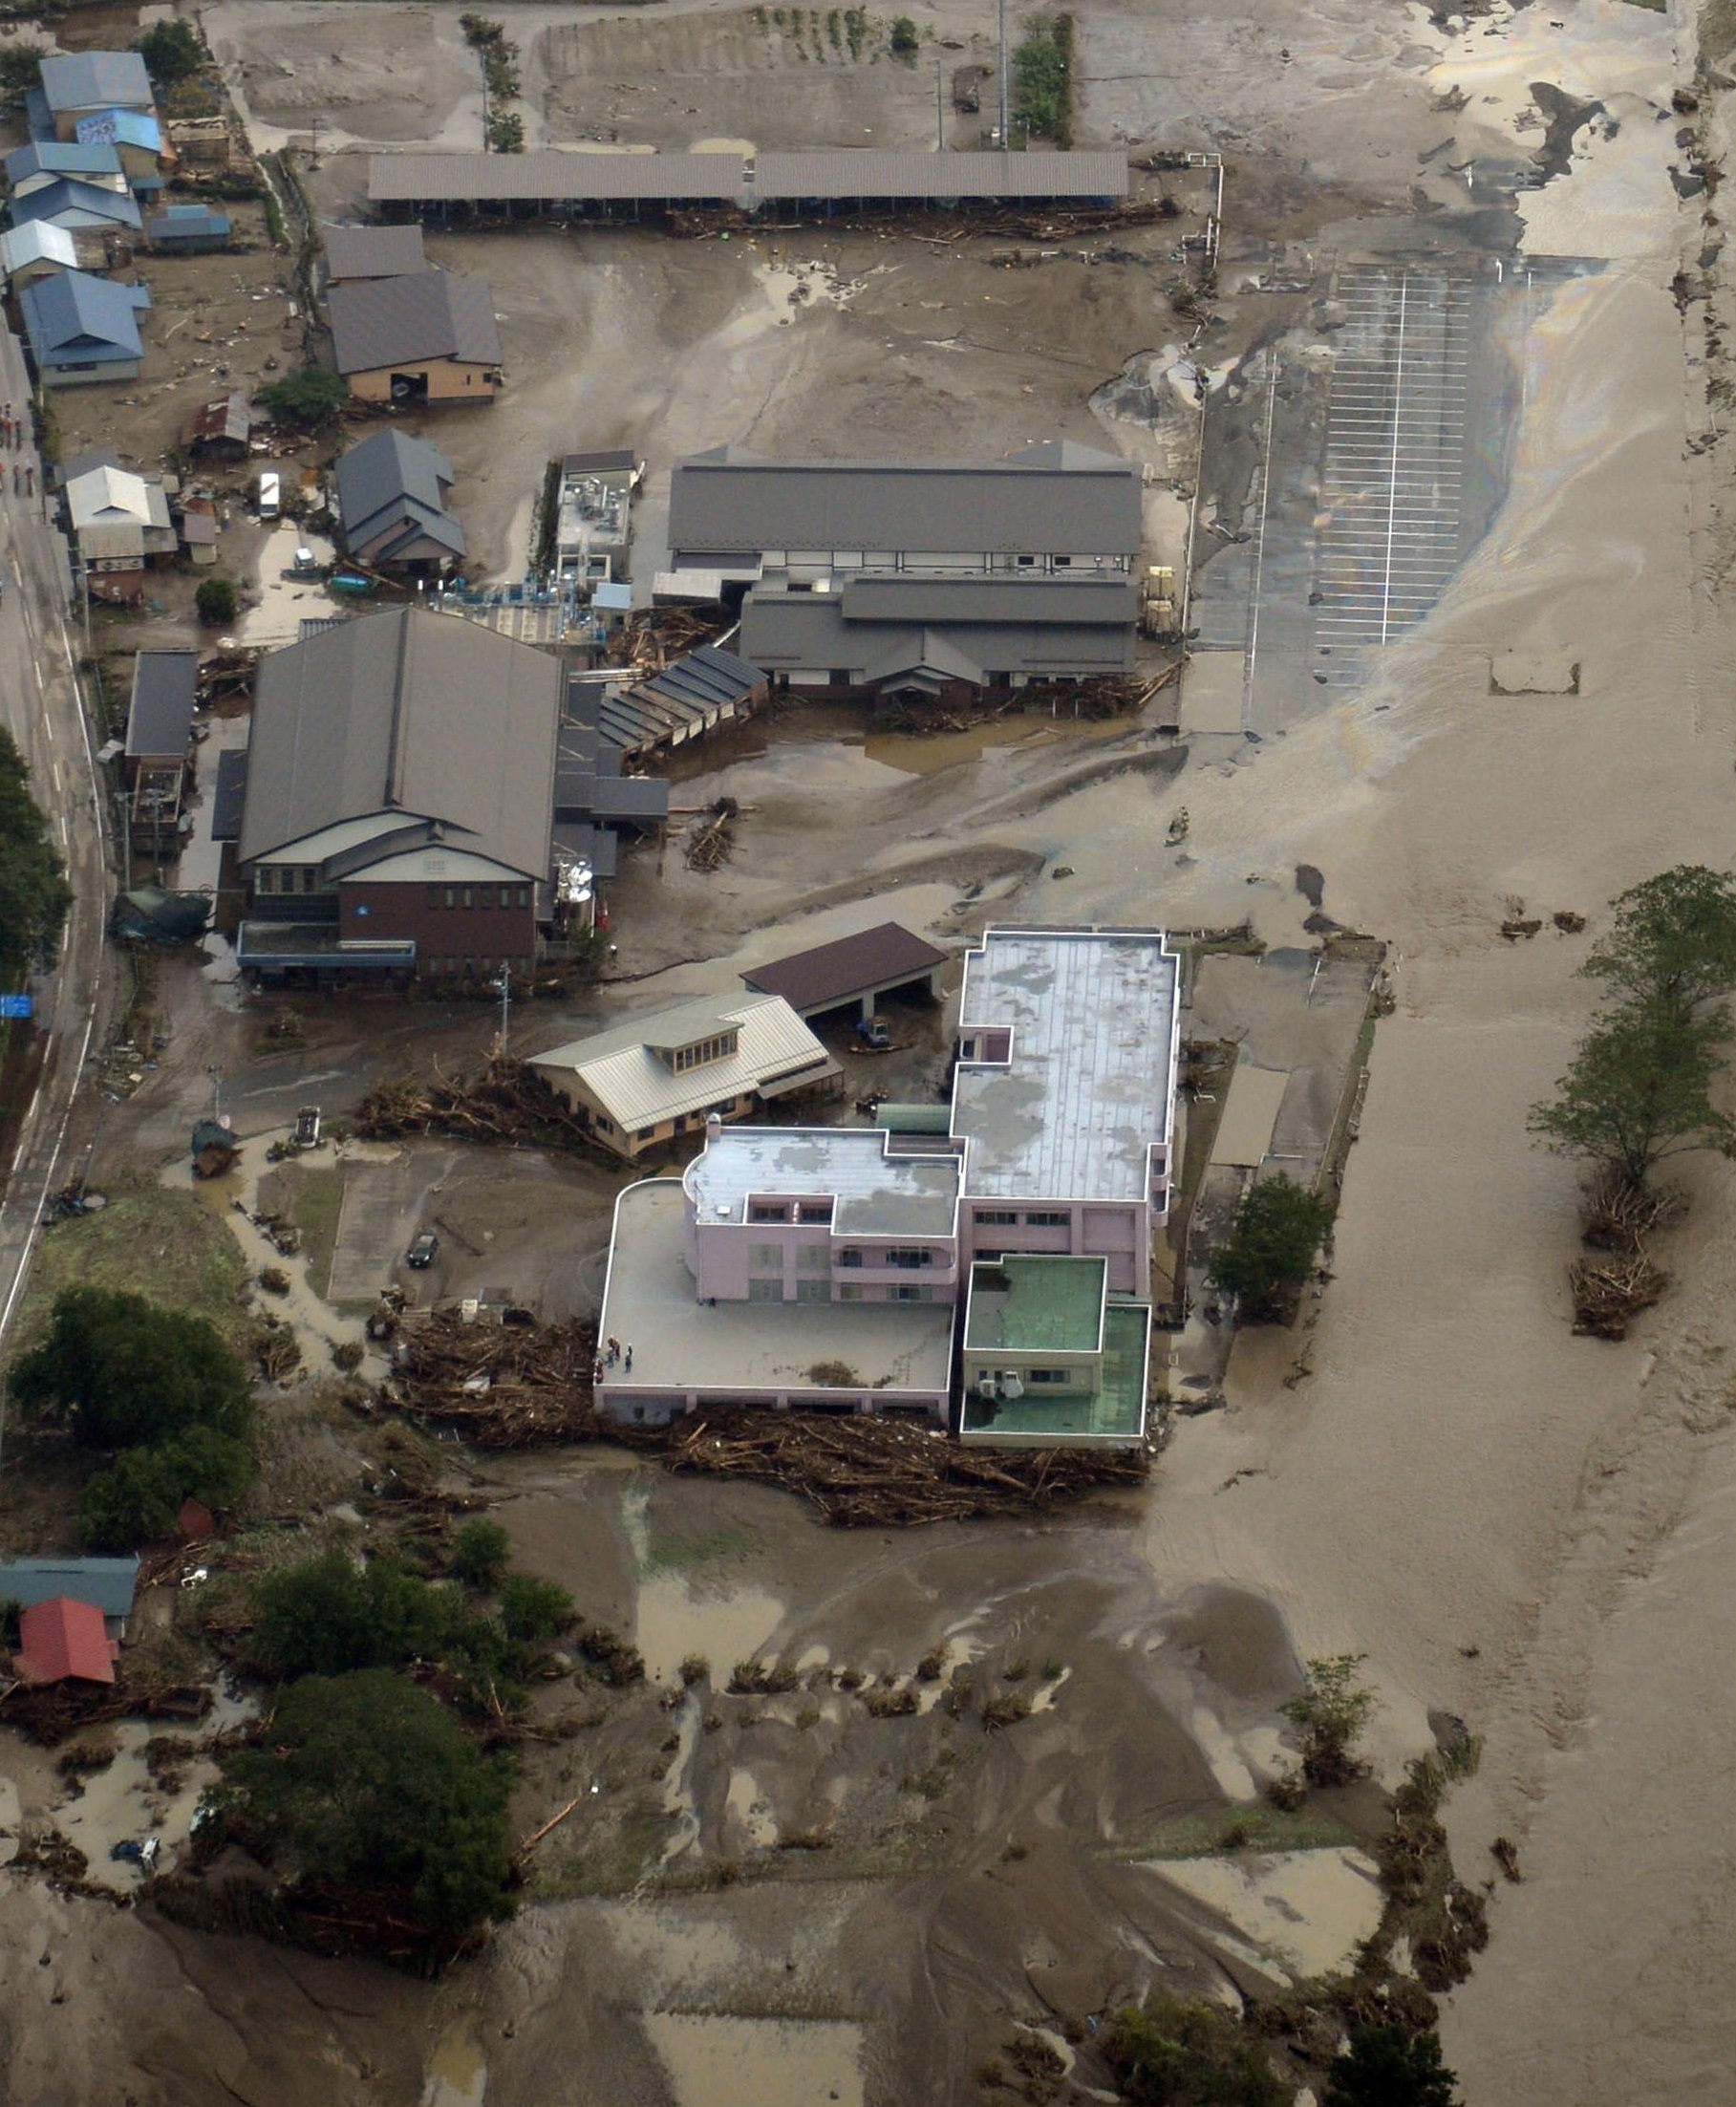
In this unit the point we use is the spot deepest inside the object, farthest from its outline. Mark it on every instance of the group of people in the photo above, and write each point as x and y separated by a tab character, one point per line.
614	1352
12	442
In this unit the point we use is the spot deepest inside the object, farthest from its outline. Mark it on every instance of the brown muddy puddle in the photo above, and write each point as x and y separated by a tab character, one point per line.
729	2062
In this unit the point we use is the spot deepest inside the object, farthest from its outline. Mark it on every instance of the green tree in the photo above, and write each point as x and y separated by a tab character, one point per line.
122	1372
904	39
1385	2067
480	1551
1639	1089
367	1784
506	131
1672	946
307	397
1329	1712
534	1609
217	600
20	69
330	1617
33	893
171	51
135	1500
1179	2051
1271	1249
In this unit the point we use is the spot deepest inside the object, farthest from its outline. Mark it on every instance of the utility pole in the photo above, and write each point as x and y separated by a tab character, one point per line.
506	1004
1000	20
940	122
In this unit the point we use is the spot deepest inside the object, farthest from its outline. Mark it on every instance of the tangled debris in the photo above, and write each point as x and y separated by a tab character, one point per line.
507	1102
1620	1214
518	1387
1609	1294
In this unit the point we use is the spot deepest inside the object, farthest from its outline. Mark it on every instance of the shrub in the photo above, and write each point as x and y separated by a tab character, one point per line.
119	1372
307	397
532	1609
137	1500
217	601
904	38
1176	2052
172	52
1386	2067
1330	1712
480	1551
34	891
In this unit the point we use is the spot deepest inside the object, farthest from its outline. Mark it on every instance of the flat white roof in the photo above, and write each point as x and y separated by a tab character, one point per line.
1089	1082
877	1194
680	1344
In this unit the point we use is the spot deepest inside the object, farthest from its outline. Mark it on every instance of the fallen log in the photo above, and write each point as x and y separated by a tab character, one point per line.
1608	1295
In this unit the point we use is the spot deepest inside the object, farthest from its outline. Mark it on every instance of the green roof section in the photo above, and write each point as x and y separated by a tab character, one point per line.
1114	1416
1030	1304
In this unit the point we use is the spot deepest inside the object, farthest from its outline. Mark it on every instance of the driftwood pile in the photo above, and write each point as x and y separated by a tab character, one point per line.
509	1101
713	838
518	1387
1610	1292
499	1386
863	1471
50	1711
1619	1215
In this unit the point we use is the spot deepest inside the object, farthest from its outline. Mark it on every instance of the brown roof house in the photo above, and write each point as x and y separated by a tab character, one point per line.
399	800
428	337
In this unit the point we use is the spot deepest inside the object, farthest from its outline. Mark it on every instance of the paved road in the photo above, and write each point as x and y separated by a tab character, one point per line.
40	706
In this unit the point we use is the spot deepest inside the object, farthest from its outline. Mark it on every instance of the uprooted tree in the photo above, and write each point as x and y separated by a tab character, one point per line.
1639	1089
1271	1250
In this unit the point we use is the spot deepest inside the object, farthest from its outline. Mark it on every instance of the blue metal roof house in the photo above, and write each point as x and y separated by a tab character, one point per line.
188	228
83	330
29	167
79	82
136	139
68	202
107	1585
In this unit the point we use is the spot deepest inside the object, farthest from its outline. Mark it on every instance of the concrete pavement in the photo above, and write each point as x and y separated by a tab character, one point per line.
41	706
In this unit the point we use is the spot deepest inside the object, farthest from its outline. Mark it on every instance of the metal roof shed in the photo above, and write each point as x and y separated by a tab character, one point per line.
372	252
159	723
93	80
854	969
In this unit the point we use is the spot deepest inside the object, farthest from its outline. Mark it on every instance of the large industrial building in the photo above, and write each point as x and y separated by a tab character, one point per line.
828	1268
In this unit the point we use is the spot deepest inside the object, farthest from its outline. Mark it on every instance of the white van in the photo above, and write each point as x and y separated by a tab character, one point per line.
270	493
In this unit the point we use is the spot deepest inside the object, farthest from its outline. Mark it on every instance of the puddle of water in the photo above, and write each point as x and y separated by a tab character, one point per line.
676	1616
749	1811
726	2062
121	1803
457	2073
1302	1910
745	148
927	754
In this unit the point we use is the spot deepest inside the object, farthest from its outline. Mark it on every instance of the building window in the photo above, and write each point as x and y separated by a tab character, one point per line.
1047	1375
505	895
850	1291
433	896
765	1291
850	1255
814	1211
468	896
907	1258
310	878
903	1293
813	1291
1047	1218
451	895
604	1125
767	1258
768	1211
813	1259
524	896
995	1217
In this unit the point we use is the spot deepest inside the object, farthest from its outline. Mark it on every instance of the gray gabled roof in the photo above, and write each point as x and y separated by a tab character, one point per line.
68	202
73	316
108	1583
426	315
89	80
808	631
1047	499
166	687
406	716
392	480
1005	596
372	252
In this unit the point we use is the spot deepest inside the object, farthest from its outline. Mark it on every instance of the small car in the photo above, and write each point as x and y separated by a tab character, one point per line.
421	1254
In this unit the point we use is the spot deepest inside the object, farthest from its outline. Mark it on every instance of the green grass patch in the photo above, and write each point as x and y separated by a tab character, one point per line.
150	1241
316	1202
1203	1835
671	1553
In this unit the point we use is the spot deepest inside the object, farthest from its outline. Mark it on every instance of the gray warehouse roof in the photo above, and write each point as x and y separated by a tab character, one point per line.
1056	499
374	252
556	176
410	714
809	631
428	314
391	479
1008	596
165	686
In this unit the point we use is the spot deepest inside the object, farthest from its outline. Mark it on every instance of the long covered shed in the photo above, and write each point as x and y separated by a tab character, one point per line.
554	179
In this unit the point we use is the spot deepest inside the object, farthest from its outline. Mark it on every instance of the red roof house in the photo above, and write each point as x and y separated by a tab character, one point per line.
61	1638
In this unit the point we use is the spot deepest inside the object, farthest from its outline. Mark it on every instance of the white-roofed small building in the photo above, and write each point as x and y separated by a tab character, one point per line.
660	1077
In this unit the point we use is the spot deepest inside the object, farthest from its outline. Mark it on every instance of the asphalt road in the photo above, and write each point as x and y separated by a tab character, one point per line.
40	706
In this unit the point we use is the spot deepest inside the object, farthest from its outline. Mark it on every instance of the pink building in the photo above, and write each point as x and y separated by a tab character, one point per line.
822	1268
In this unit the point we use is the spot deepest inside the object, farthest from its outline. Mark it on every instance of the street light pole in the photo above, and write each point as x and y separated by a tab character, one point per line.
1000	20
506	1004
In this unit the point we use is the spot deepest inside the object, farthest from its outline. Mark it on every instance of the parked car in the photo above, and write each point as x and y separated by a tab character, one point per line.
421	1254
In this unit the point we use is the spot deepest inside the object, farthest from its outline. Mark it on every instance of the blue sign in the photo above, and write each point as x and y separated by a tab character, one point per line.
15	1005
